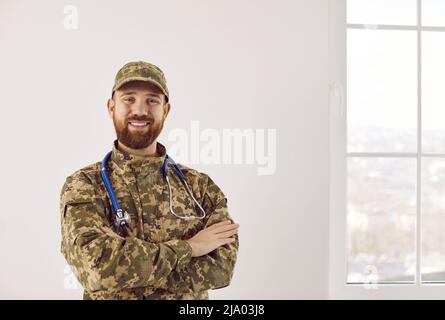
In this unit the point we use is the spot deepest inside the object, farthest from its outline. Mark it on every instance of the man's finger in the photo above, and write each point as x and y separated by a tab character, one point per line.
227	234
222	223
225	228
226	241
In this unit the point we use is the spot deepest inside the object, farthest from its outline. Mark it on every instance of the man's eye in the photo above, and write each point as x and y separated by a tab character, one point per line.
130	99
153	101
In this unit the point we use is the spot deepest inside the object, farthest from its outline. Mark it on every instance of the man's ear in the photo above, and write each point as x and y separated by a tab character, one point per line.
166	110
110	107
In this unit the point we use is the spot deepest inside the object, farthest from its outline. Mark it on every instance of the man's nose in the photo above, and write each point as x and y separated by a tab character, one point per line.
140	108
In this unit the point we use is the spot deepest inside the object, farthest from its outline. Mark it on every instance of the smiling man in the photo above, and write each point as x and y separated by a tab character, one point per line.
136	225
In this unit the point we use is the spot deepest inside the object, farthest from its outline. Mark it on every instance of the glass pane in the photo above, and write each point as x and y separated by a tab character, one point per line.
433	93
382	90
398	12
381	217
433	13
433	220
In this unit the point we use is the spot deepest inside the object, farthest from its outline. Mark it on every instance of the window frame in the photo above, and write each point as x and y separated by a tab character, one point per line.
338	155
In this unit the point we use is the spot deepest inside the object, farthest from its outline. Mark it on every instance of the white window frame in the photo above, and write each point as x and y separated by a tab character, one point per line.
338	286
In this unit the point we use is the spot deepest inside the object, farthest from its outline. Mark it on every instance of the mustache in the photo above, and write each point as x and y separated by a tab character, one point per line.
136	118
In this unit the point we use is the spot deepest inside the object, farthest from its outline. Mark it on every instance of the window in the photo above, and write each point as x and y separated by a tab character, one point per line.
395	141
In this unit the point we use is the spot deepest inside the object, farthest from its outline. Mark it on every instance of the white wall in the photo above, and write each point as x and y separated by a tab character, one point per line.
229	64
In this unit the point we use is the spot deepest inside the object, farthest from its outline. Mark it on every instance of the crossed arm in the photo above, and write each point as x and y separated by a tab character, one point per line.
102	260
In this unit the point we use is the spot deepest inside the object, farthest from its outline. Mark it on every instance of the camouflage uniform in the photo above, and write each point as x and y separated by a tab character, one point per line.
150	259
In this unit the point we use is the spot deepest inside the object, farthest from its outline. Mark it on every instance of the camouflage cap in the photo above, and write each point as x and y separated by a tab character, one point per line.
142	71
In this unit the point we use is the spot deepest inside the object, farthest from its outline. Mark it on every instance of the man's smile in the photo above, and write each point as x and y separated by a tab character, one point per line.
138	124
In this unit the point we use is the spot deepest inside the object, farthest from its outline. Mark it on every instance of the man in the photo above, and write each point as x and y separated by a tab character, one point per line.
156	253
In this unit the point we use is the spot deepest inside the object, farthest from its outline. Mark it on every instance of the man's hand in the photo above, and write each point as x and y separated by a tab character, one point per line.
210	238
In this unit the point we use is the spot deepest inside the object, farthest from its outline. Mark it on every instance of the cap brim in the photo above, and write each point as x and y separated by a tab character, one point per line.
127	80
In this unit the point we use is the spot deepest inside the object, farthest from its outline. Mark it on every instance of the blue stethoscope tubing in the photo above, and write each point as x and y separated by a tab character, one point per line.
123	218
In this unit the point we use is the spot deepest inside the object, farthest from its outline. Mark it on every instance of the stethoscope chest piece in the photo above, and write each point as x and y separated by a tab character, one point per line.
122	218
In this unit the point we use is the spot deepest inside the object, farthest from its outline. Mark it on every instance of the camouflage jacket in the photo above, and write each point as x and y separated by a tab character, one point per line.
150	258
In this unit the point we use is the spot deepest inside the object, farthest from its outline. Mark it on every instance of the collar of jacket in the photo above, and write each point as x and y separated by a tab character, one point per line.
129	163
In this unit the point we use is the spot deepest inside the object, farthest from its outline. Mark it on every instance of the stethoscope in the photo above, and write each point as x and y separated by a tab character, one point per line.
122	217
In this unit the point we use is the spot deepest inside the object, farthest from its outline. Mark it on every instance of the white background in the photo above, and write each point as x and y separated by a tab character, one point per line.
229	64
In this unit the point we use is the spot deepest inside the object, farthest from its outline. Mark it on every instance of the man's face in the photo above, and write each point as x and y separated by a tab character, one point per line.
138	110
